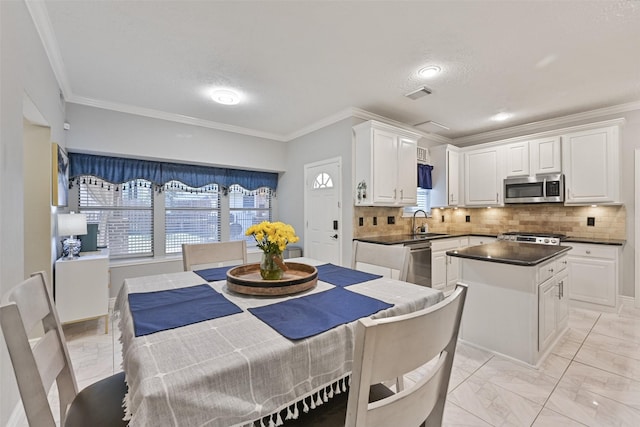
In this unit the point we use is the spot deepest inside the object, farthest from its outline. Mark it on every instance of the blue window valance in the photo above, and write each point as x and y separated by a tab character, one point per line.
424	176
119	170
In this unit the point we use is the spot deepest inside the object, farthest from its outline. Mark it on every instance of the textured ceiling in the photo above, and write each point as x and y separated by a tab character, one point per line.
297	63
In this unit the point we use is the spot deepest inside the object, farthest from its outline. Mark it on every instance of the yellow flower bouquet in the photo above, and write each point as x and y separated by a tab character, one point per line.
272	238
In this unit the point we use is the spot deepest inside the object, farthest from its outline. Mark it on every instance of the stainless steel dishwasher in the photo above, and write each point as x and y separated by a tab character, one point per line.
420	263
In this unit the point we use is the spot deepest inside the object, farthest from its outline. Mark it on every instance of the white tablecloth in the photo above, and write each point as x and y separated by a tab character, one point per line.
233	370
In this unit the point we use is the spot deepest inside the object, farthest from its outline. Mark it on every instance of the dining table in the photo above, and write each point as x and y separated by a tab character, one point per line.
259	360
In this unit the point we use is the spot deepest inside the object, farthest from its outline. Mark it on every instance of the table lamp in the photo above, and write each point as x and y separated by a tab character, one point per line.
71	225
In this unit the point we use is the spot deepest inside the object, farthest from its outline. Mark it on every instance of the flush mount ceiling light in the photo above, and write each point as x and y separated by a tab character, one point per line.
429	71
225	97
501	117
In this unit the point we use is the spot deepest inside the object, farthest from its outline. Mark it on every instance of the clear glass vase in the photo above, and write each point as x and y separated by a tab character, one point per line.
270	266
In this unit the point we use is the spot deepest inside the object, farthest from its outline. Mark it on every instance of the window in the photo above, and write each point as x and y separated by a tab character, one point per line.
322	180
192	215
424	203
130	215
123	212
247	208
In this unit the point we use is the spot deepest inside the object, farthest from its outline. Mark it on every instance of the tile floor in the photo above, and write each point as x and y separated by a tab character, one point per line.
592	377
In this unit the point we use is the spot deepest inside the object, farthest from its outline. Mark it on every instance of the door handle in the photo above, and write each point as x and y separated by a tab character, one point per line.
334	237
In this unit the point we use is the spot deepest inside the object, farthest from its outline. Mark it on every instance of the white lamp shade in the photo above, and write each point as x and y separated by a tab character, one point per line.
72	224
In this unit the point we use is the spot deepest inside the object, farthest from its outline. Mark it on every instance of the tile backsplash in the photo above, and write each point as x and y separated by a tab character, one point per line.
609	221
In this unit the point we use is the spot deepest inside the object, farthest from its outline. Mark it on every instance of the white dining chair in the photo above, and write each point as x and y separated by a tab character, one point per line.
390	347
208	254
392	257
37	365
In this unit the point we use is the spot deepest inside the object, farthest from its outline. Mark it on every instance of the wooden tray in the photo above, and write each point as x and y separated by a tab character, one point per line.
246	279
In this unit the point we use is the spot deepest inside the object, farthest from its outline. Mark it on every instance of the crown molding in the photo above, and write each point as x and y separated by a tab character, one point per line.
155	114
533	127
40	17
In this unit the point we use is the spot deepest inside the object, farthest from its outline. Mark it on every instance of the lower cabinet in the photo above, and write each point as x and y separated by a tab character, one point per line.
82	287
553	307
594	274
445	270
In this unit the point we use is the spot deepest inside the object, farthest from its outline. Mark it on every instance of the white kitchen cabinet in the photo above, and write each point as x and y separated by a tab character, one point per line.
518	159
385	164
445	176
82	287
594	272
483	176
553	309
480	240
545	155
445	270
514	310
591	166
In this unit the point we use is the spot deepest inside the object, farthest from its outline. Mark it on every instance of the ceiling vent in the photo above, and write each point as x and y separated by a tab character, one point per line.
431	126
419	93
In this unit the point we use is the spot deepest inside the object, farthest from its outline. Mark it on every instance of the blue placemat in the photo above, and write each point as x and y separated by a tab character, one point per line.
173	308
310	315
214	274
342	276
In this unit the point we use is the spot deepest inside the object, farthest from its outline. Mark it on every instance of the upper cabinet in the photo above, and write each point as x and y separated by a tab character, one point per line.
591	166
545	155
518	159
483	176
445	176
385	165
534	157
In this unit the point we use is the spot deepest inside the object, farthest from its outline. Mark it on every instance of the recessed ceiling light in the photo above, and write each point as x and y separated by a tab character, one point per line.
500	117
225	97
429	71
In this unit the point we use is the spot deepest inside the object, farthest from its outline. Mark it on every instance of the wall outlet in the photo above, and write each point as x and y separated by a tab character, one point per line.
442	218
391	220
375	220
467	218
361	221
591	221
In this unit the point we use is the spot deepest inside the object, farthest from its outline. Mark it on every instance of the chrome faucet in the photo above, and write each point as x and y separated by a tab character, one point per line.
413	220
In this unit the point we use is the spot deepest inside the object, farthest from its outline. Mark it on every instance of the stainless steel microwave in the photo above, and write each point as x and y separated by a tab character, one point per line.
547	188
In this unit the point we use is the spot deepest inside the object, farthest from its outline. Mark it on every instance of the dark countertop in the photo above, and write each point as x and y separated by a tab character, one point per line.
515	253
593	240
399	239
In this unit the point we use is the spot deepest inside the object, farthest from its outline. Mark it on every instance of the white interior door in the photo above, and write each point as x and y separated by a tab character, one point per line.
323	213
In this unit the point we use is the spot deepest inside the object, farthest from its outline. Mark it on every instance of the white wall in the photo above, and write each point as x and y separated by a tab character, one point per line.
329	142
99	131
23	68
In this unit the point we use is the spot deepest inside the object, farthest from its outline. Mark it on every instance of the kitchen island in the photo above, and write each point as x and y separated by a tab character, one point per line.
516	303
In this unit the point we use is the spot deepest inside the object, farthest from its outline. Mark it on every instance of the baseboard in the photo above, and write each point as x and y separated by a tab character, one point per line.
625	300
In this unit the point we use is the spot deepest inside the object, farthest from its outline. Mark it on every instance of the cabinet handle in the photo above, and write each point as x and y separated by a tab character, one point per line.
395	193
588	252
551	270
402	194
450	197
496	197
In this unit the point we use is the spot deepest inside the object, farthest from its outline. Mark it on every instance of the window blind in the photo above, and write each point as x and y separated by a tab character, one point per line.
191	215
247	208
124	214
